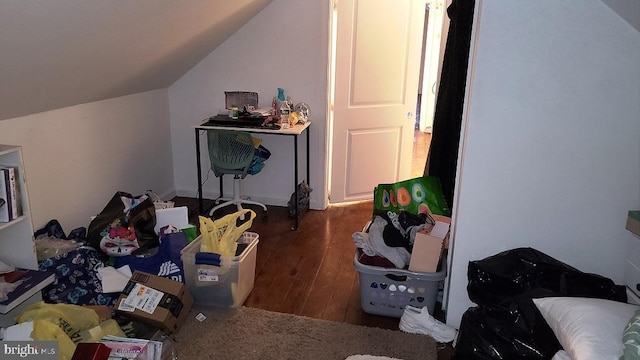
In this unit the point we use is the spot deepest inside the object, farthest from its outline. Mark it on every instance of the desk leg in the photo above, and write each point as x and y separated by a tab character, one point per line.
295	181
199	172
308	164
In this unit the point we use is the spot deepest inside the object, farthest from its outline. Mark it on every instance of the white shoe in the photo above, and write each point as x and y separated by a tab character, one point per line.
418	321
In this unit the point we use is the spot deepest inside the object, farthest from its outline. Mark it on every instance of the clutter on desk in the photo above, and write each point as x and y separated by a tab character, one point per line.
240	99
242	110
288	114
285	110
302	109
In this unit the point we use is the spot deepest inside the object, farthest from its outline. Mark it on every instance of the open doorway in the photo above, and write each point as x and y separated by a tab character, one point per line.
372	117
430	66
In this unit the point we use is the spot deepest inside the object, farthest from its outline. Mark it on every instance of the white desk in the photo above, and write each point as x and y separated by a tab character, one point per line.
293	131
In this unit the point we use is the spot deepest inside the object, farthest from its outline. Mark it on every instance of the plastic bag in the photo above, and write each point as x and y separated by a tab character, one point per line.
59	322
67	324
494	333
71	318
500	277
420	195
506	324
220	236
165	262
47	247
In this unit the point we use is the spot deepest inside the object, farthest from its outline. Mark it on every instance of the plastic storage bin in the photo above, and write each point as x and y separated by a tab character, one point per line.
225	286
386	291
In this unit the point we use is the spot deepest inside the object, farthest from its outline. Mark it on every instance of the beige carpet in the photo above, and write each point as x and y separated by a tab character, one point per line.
258	334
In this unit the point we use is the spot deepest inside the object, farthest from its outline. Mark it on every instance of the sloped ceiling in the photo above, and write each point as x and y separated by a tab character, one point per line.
629	10
58	53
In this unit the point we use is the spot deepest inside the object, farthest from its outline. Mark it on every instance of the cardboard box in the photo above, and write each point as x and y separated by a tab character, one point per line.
155	300
428	245
104	312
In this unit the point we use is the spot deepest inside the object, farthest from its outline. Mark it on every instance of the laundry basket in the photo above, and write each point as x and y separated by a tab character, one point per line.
386	291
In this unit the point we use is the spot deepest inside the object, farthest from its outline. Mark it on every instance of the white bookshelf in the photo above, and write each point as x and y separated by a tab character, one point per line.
17	246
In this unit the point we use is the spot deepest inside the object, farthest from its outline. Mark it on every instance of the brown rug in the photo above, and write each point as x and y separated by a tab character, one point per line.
259	334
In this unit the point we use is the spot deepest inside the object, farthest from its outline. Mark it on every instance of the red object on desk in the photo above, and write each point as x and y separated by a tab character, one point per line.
91	351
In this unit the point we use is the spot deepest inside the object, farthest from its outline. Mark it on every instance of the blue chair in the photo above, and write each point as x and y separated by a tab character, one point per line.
231	152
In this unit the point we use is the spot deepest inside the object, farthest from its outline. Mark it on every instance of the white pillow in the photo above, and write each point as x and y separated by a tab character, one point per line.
587	329
561	355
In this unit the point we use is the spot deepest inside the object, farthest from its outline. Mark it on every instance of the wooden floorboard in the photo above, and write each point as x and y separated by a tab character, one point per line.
309	271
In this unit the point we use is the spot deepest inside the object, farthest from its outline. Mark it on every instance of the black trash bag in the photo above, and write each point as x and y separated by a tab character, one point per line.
488	333
506	324
514	329
125	226
500	277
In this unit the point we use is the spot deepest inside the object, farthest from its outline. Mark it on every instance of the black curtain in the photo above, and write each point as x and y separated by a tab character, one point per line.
443	151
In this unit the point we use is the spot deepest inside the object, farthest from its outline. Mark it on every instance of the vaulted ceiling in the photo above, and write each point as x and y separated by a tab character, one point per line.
58	53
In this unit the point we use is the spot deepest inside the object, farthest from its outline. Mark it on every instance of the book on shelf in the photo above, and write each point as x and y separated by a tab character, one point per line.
4	201
12	190
31	282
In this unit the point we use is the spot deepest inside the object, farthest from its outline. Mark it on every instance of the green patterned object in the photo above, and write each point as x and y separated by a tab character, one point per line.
420	195
631	339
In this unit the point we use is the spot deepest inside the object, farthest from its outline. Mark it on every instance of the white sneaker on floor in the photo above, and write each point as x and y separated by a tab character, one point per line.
418	321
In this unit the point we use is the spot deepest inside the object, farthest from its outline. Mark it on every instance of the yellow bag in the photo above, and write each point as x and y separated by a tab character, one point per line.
68	324
220	236
45	330
70	318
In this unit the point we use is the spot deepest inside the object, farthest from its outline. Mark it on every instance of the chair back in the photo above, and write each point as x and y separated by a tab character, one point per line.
230	152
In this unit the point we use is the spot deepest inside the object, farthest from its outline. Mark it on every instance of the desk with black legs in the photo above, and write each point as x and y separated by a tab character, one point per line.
294	132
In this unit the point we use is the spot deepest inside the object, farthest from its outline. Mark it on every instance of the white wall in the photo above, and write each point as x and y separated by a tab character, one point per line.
77	157
552	152
284	46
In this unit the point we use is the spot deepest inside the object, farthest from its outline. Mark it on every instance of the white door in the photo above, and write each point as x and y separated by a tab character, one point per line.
375	75
431	67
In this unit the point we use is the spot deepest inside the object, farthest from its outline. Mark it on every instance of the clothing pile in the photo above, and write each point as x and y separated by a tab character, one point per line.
390	236
400	211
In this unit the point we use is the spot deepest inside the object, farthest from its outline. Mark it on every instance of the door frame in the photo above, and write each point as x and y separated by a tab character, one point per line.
439	39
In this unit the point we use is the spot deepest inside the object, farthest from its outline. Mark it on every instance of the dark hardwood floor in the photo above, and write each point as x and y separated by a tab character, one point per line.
310	271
